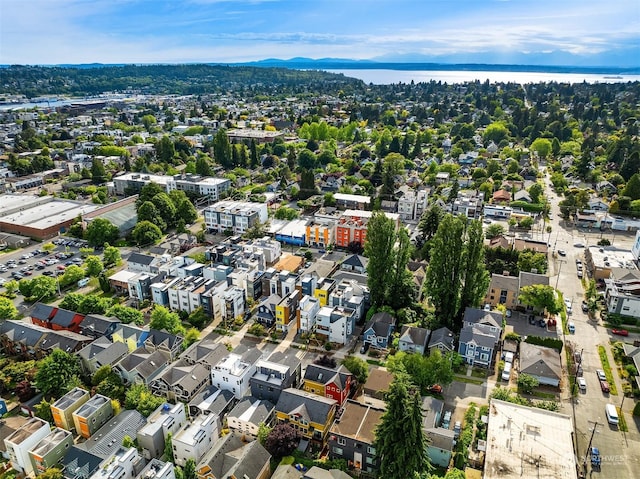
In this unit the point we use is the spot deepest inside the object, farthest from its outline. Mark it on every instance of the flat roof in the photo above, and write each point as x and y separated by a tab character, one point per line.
528	442
611	257
48	214
354	198
10	203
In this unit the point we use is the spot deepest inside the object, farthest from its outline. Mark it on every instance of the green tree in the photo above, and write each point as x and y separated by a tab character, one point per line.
146	233
72	274
106	382
494	230
165	150
379	249
527	383
542	146
541	297
285	213
40	288
424	371
203	167
140	398
111	256
263	432
168	451
10	288
400	443
429	221
530	260
632	188
48	247
400	288
189	469
475	277
185	209
53	472
98	173
190	336
147	192
43	410
7	309
358	367
444	275
149	212
496	132
56	373
165	208
307	159
126	314
94	265
162	318
222	149
101	231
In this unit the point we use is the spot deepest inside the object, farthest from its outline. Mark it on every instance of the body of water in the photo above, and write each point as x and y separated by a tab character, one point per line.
385	77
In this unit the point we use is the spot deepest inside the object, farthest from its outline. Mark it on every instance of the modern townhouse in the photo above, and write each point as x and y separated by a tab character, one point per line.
157	469
335	324
306	314
167	419
235	216
62	410
286	311
50	450
141	366
246	416
195	439
125	463
98	326
272	376
20	442
92	415
234	371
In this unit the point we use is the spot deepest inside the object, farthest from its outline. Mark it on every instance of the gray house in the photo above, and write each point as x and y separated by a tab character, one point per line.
542	363
245	418
141	366
352	436
413	339
180	381
101	352
97	326
442	339
480	336
167	419
272	376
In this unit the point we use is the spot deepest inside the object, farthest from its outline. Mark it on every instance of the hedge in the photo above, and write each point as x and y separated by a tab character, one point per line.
556	344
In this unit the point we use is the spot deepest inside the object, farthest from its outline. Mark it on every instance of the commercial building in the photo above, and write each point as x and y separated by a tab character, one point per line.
600	260
622	293
131	183
528	442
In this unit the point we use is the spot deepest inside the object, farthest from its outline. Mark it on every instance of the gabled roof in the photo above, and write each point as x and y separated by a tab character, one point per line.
231	457
103	351
163	338
480	316
480	334
381	323
379	380
24	333
324	375
139	258
43	312
180	373
206	352
358	421
356	261
252	410
441	336
79	464
212	400
540	361
311	407
504	282
98	323
414	335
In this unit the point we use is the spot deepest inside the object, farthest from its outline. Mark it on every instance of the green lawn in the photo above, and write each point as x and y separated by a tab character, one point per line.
602	352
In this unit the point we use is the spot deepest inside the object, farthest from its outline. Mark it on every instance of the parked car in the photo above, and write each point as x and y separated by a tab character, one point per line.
601	375
446	421
578	245
436	389
562	252
364	348
585	307
604	385
582	384
620	332
456	429
595	457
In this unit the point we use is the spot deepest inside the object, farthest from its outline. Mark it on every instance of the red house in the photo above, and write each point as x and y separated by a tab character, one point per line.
56	319
331	383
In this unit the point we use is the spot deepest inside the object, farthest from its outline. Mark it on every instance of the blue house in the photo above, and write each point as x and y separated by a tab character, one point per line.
480	336
377	333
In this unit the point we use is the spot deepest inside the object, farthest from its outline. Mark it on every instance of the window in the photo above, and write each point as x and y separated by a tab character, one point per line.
371	450
484	357
342	441
338	451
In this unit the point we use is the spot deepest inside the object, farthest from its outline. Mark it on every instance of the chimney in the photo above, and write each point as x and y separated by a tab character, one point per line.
505	273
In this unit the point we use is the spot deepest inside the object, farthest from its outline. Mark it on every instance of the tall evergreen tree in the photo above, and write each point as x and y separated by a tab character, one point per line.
400	283
254	154
475	277
443	281
379	249
400	443
222	148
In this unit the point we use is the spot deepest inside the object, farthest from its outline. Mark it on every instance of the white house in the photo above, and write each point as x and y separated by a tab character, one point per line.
335	323
234	371
306	313
164	420
195	439
21	441
121	466
245	418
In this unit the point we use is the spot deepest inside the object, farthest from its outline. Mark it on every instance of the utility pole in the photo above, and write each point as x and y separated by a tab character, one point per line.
578	366
561	261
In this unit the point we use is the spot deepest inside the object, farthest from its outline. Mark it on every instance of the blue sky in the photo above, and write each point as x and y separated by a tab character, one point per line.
571	32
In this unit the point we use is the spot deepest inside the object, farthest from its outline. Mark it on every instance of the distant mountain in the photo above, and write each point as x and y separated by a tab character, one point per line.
553	63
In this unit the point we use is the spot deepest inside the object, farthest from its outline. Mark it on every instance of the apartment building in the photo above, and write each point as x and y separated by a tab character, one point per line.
306	314
352	226
131	183
272	376
245	418
235	216
412	204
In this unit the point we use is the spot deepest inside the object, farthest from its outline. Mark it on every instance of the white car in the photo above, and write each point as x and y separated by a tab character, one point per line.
582	384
